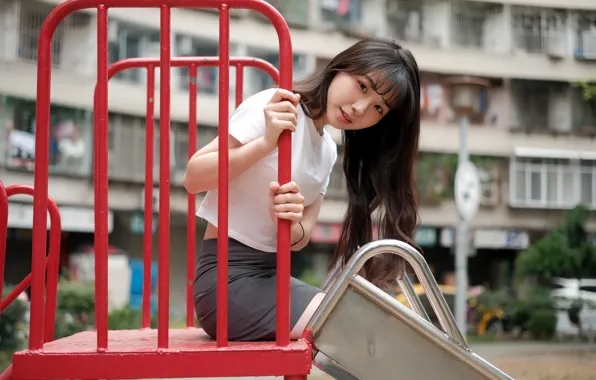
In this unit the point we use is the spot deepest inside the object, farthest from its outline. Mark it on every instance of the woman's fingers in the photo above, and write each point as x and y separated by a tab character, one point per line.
285	116
282	94
289	198
288	207
290	187
292	216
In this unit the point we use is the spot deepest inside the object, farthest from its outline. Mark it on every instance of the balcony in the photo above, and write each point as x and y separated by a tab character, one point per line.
70	137
405	20
540	31
20	25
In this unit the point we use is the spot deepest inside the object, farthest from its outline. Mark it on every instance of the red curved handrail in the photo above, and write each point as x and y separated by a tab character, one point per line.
51	263
101	164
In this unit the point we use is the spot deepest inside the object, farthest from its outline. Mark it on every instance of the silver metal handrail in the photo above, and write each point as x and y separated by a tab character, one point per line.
406	287
423	273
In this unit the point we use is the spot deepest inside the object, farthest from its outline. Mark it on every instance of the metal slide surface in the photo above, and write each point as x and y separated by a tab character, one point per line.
360	332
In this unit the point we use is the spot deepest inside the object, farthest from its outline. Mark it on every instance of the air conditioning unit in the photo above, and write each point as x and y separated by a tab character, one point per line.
555	45
489	195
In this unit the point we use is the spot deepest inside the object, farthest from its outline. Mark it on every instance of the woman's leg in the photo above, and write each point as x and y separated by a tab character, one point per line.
298	329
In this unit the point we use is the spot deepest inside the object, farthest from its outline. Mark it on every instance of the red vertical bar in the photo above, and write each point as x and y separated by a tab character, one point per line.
164	181
101	180
223	161
52	268
284	176
239	84
40	198
191	235
148	213
3	231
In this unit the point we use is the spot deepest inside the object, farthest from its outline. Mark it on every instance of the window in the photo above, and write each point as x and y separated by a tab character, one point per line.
552	183
31	18
70	137
341	14
294	12
207	77
467	28
131	41
538	30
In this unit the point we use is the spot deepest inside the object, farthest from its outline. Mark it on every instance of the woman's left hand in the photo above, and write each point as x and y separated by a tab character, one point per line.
285	202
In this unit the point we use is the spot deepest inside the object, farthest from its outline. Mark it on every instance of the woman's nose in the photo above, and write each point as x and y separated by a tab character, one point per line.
361	105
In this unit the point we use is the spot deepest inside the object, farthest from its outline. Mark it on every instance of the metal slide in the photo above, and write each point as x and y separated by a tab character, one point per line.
362	333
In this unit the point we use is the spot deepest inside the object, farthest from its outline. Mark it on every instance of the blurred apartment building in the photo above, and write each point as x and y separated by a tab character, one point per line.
533	135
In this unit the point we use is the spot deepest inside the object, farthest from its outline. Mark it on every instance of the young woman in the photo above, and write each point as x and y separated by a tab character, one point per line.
370	91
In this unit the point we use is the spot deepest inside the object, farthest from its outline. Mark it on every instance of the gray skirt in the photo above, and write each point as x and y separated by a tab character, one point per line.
251	292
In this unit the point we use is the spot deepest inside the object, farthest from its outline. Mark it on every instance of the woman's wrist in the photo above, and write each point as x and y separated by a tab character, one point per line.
264	146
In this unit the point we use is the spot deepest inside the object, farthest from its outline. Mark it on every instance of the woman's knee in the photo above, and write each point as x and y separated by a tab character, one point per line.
313	305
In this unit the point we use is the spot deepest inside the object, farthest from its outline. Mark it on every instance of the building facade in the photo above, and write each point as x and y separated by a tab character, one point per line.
532	135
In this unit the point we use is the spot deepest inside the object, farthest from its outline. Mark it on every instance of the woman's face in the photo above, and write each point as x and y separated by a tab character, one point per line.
352	102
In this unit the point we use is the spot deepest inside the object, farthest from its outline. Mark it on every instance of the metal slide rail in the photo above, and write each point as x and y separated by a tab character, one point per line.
40	202
50	263
449	340
192	64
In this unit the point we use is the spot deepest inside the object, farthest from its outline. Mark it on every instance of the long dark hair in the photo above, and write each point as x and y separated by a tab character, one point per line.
378	161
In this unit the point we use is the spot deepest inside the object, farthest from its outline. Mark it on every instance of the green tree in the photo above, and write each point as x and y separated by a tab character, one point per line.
565	252
588	89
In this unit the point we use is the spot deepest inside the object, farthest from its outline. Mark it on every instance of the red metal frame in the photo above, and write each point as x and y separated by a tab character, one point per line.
191	63
51	262
51	265
178	353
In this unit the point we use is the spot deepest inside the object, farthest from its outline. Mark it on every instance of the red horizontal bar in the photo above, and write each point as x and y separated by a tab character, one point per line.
238	62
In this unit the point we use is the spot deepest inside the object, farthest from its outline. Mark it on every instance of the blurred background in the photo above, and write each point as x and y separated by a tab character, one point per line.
531	135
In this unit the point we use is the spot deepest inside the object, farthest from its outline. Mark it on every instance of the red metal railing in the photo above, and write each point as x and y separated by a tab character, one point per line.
101	164
50	265
192	63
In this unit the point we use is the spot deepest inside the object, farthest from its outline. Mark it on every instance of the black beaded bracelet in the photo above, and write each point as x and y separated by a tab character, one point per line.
303	233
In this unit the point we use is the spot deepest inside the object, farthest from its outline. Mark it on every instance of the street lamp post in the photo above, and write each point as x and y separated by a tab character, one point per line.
465	101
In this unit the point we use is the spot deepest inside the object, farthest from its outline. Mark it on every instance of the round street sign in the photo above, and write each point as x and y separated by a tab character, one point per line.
467	190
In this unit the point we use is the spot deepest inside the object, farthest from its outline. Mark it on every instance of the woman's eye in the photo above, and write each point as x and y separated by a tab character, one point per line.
362	86
379	109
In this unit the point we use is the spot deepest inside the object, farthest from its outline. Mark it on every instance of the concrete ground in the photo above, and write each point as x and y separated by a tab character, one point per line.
522	361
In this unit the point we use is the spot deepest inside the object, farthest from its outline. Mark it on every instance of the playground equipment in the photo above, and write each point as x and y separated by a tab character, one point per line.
358	332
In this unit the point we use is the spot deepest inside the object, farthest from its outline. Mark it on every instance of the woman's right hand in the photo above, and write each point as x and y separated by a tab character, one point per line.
280	114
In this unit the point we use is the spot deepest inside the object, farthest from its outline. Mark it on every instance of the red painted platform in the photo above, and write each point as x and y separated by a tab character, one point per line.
133	354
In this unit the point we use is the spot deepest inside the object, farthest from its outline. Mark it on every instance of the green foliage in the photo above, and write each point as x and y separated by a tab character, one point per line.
588	89
128	318
435	175
75	308
533	312
565	252
12	324
309	277
542	323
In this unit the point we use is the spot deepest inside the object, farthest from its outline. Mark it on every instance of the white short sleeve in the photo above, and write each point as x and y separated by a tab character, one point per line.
332	161
248	121
323	190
